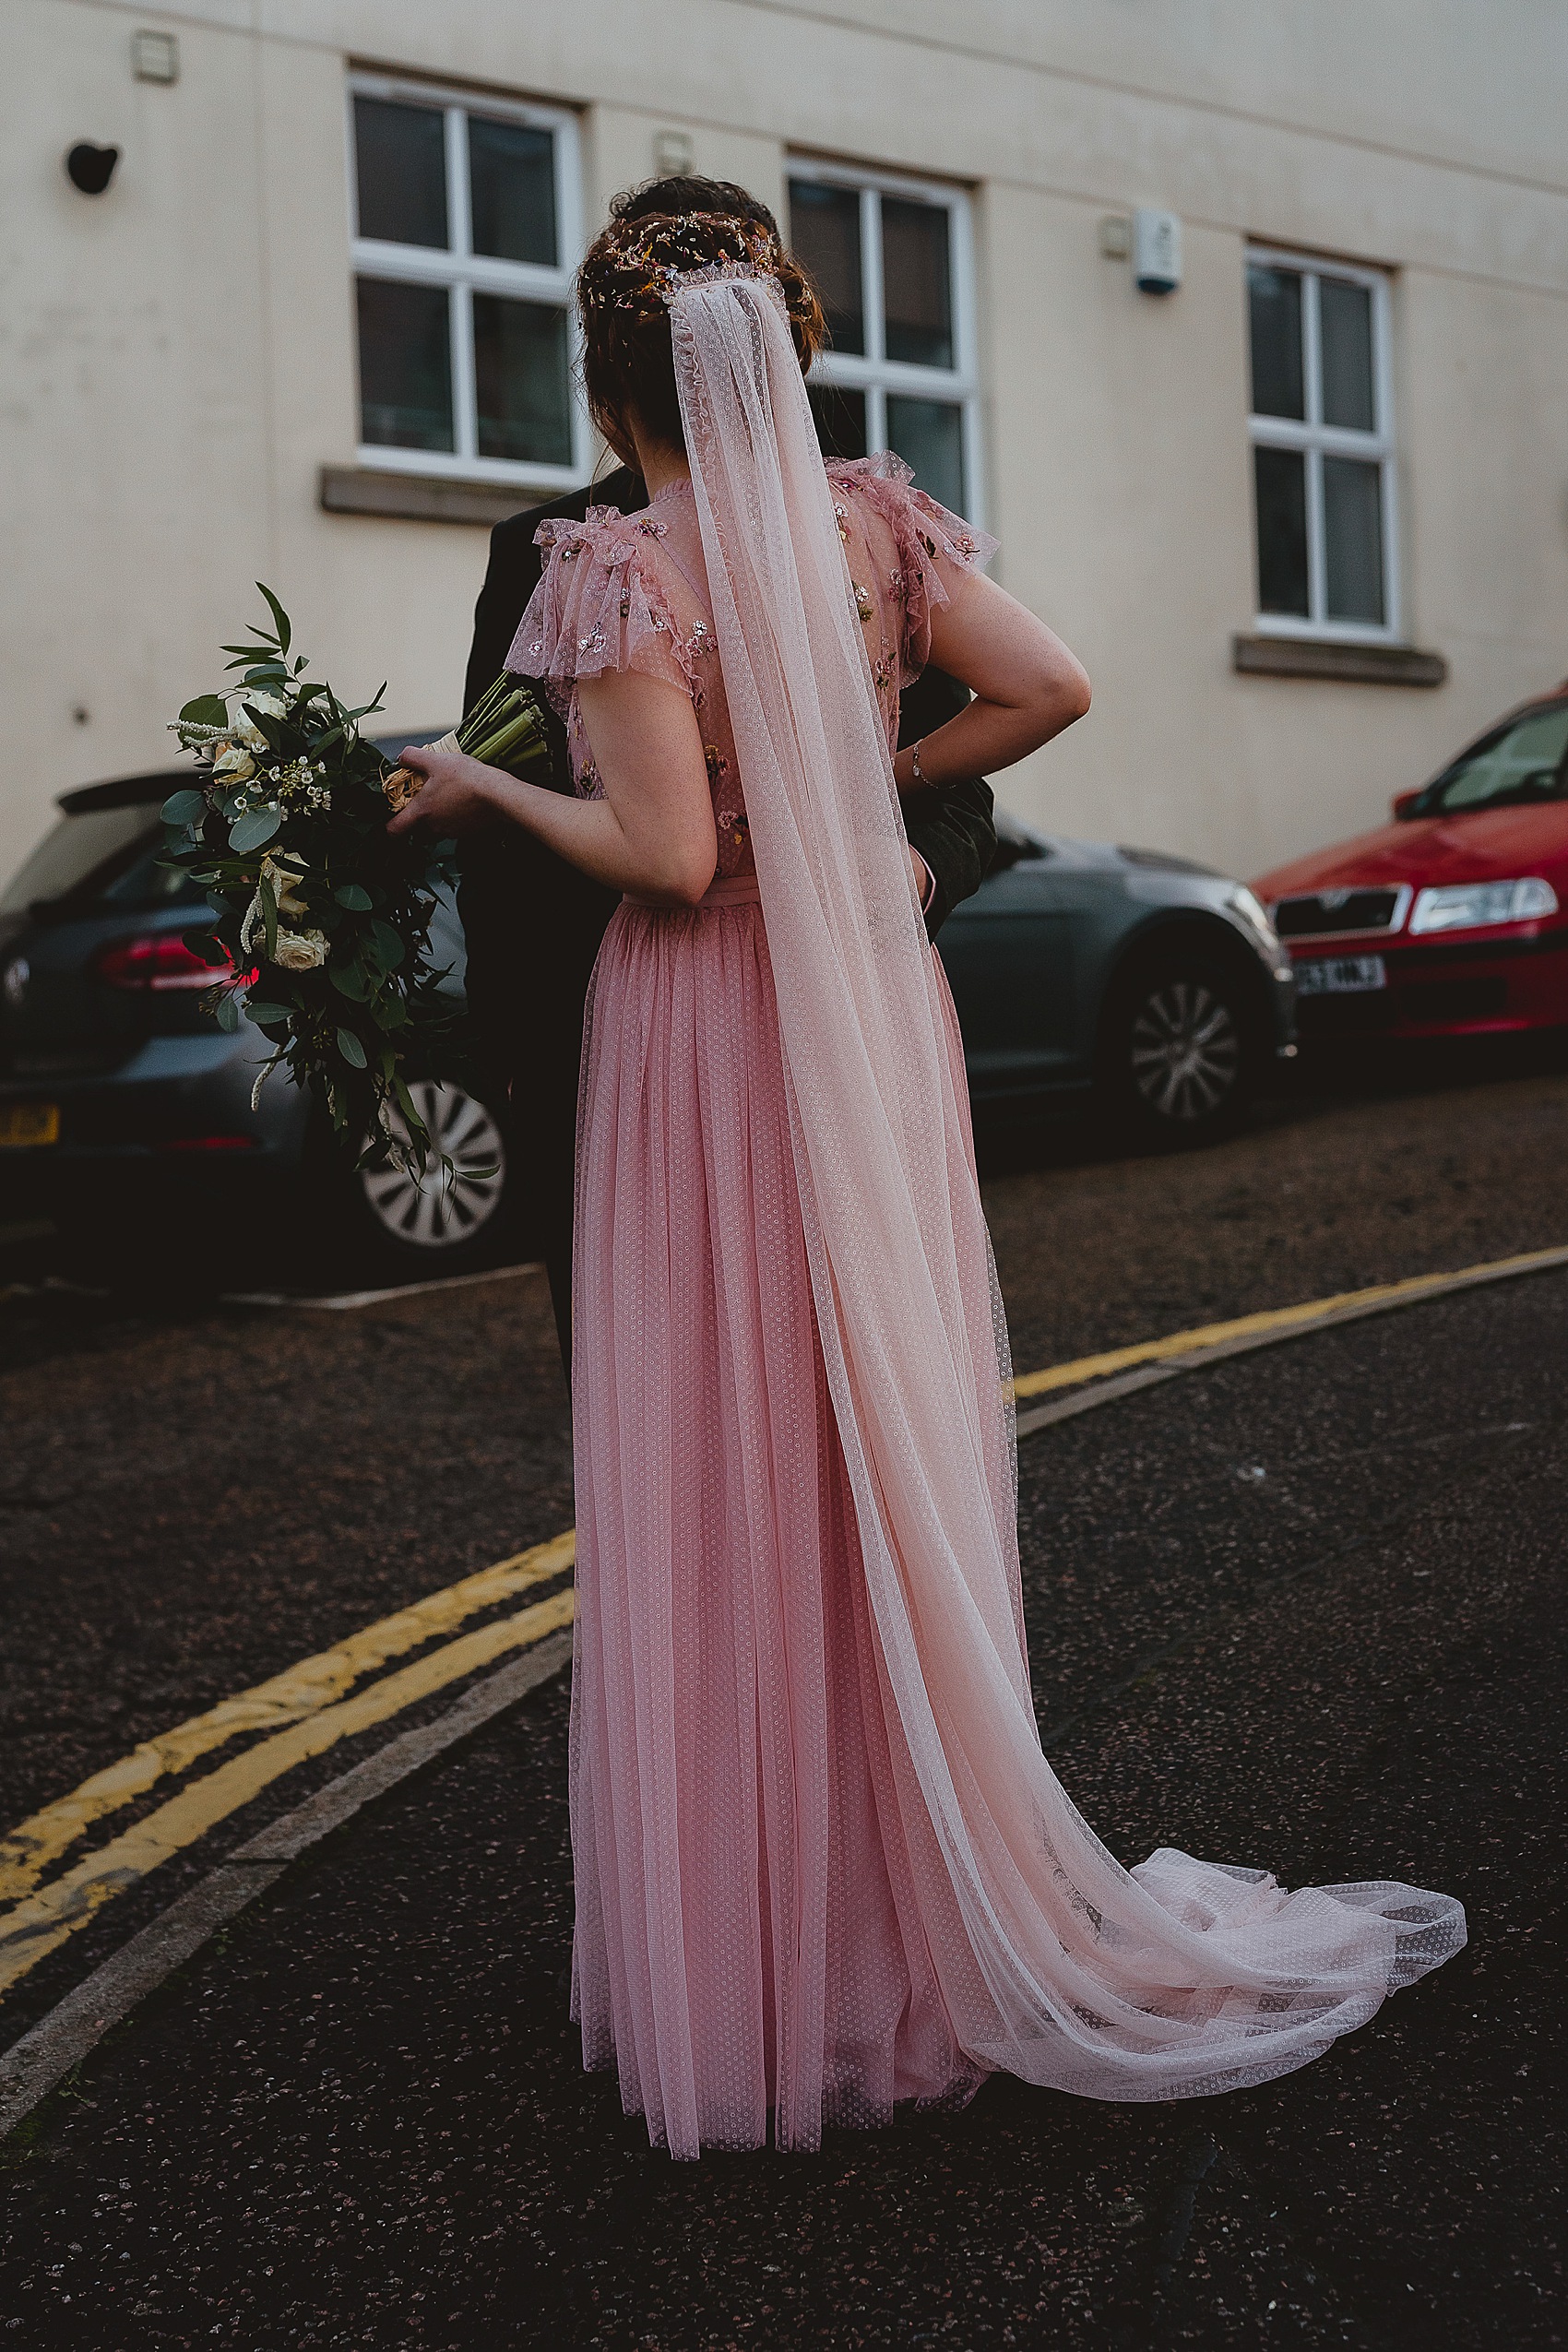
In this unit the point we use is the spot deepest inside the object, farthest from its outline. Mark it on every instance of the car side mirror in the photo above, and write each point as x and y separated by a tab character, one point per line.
1403	802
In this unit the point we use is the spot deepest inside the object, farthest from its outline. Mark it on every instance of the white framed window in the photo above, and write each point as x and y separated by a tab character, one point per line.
1321	429
467	228
893	260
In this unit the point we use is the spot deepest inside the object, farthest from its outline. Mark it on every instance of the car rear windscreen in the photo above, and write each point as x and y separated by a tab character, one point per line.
98	858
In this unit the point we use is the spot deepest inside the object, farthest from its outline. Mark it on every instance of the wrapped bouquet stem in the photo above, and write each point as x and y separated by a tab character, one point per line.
503	730
319	925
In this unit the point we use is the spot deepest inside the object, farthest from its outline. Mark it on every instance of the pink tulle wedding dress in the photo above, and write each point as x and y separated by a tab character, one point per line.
822	1864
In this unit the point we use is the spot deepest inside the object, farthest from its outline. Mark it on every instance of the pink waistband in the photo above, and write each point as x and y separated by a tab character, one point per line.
724	890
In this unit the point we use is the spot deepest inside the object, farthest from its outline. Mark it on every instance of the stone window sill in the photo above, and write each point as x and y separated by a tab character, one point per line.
424	498
1360	665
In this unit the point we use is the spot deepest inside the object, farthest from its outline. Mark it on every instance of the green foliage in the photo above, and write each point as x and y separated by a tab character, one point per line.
296	860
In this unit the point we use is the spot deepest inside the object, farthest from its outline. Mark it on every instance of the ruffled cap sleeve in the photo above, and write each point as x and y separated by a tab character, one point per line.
600	605
931	542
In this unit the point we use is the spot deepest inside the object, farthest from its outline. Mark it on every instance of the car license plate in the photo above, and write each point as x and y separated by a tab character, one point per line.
1340	976
23	1124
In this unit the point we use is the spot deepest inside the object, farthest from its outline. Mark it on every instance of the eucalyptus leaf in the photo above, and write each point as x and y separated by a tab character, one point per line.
350	980
351	1048
228	1014
263	1014
251	830
354	896
206	710
389	942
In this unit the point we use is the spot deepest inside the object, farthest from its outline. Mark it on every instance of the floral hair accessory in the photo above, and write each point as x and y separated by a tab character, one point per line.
638	266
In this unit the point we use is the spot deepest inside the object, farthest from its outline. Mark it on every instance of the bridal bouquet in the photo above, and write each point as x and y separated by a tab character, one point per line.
319	932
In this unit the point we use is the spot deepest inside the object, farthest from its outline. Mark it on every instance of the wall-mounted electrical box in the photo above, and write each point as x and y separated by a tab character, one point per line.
1157	251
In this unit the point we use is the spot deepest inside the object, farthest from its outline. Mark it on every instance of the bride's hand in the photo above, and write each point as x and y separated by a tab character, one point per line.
454	796
919	877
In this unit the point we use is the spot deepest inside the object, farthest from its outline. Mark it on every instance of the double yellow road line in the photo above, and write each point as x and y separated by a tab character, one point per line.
307	1708
307	1699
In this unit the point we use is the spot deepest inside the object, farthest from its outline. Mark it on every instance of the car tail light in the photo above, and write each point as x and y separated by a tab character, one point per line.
159	961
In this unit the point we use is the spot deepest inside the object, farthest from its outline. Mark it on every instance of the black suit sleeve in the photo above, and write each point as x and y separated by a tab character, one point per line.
532	922
954	829
514	570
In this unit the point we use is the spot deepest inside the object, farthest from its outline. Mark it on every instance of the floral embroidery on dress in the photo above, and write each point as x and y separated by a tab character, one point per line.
641	606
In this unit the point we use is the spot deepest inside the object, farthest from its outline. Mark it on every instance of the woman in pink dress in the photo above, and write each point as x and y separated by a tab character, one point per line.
822	1864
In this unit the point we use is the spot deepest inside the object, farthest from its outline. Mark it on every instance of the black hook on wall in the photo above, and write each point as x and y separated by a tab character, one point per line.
90	168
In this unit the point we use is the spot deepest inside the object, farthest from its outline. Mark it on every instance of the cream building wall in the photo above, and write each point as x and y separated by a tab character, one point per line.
177	357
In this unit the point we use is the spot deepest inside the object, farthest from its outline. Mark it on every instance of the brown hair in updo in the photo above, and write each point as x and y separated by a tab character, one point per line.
628	367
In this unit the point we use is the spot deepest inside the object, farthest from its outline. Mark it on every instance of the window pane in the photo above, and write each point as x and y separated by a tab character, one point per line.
512	191
1527	763
1273	302
521	381
1352	519
917	282
929	435
401	156
841	420
405	365
1345	325
824	229
1282	530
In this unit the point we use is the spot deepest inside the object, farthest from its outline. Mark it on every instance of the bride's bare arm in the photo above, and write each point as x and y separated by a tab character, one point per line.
652	834
1026	686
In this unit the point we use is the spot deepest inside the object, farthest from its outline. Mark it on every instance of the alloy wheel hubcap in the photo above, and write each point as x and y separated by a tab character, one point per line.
444	1206
1185	1051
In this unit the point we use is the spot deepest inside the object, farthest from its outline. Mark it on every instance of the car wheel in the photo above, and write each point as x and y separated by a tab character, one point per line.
439	1222
1179	1061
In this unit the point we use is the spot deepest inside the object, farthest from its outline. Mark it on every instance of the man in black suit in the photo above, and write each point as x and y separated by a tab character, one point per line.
534	922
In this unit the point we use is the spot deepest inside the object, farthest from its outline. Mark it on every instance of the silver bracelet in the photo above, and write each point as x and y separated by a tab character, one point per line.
914	768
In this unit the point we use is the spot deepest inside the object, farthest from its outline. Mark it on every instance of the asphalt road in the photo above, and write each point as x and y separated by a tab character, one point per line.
1303	1609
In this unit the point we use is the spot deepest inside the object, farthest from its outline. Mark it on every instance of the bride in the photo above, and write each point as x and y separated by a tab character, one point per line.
822	1864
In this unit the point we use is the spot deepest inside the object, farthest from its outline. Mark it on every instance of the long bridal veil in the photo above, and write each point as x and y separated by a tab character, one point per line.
1179	1977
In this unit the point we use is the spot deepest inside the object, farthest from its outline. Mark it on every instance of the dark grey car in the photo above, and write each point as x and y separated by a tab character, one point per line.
1153	983
123	1109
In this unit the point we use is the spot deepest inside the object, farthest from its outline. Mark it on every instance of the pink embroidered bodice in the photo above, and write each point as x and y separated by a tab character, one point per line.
630	592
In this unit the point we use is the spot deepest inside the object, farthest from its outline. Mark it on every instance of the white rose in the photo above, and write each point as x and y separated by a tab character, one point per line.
234	763
244	726
284	874
301	951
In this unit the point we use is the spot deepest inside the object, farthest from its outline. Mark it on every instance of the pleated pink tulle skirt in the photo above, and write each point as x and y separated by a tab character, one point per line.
749	1950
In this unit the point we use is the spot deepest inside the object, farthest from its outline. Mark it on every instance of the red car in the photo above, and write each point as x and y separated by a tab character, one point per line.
1453	920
